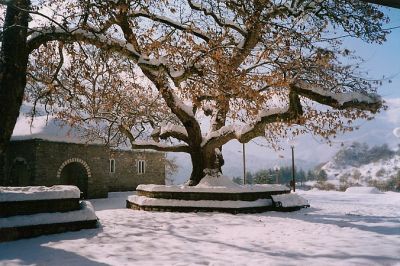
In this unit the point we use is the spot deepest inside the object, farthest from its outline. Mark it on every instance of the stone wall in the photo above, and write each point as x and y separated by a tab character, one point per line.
45	161
126	176
21	152
53	156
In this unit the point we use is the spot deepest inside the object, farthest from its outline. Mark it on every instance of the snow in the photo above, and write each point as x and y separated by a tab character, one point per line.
363	190
344	97
38	193
220	184
181	105
45	128
290	200
145	201
339	229
217	181
173	128
240	130
86	213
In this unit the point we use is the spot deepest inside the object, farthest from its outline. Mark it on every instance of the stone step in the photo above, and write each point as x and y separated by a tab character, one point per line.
220	196
284	202
25	226
14	233
12	208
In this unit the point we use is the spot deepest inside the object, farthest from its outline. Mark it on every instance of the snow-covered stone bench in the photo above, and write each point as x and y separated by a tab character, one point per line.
215	194
33	211
38	199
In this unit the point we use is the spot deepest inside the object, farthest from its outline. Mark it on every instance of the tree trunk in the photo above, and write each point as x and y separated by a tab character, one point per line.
197	167
13	66
204	159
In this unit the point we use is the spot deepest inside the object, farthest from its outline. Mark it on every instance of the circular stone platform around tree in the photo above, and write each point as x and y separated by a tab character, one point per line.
215	194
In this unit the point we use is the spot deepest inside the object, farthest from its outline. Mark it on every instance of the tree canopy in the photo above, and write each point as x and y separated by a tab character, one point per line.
160	69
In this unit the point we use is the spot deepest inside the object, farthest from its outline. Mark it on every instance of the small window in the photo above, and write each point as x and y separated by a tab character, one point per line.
112	166
141	166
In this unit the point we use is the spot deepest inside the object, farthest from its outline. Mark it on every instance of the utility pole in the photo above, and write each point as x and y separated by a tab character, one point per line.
293	177
244	164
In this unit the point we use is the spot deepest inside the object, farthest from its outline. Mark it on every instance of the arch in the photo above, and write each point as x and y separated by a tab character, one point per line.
74	160
75	172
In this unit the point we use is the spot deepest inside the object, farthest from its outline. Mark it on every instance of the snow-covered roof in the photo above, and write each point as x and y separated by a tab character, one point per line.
45	127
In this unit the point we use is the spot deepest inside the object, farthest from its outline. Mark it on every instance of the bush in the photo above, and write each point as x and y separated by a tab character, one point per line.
325	186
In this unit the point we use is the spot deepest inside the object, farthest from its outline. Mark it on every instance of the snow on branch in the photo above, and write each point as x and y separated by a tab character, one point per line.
346	100
340	101
247	132
152	145
42	36
91	36
170	130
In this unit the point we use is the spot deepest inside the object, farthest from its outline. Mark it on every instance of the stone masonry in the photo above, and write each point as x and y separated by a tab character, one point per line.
41	162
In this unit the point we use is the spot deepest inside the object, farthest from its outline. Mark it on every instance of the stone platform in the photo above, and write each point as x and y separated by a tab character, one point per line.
32	211
228	197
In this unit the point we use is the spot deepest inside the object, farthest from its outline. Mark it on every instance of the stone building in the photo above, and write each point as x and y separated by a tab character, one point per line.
43	151
94	168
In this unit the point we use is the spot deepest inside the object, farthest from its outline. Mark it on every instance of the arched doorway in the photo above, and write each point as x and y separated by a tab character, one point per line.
75	172
19	174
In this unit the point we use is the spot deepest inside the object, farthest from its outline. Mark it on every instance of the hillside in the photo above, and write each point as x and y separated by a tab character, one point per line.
359	165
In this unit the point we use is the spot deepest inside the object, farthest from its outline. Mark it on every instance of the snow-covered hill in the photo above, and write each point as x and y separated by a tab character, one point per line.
381	173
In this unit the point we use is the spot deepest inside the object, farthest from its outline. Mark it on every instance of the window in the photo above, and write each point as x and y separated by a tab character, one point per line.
112	166
141	166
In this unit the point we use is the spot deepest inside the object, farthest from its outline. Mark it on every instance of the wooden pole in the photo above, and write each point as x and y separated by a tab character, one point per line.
244	164
293	177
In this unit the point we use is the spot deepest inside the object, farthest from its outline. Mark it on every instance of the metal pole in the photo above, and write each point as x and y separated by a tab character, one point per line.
244	164
293	178
277	176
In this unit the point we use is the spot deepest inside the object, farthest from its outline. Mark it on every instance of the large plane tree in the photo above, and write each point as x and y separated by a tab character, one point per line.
251	69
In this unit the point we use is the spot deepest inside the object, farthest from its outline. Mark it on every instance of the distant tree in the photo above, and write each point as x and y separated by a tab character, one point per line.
356	176
264	177
238	180
354	155
171	167
311	175
344	181
249	178
379	153
359	153
301	175
381	172
322	176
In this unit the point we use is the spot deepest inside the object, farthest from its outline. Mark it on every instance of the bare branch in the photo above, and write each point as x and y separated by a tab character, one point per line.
222	22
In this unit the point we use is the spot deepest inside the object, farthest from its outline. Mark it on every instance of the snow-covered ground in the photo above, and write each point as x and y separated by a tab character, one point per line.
341	228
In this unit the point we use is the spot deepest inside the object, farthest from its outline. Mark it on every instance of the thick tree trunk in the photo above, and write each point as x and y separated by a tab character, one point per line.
13	66
205	159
